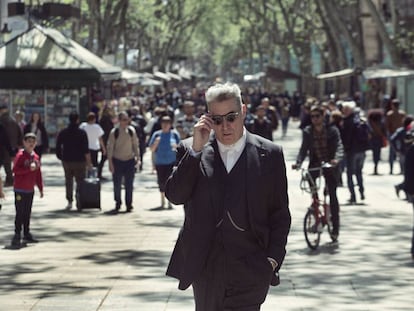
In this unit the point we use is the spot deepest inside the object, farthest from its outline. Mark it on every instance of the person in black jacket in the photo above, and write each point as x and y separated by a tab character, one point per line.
409	176
354	148
37	127
73	150
107	125
6	151
15	137
260	124
323	144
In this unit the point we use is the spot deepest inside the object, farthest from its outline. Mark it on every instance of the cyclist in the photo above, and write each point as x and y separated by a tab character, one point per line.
322	142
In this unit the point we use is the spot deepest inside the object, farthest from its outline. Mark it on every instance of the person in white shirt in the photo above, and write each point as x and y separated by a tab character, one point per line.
94	132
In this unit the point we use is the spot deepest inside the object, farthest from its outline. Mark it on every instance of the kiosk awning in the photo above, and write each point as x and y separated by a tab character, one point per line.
336	74
47	52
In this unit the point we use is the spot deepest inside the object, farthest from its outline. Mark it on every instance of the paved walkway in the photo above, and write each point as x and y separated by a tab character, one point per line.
94	261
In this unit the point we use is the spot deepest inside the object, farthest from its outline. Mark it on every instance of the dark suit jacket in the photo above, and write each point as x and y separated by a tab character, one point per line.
195	184
409	170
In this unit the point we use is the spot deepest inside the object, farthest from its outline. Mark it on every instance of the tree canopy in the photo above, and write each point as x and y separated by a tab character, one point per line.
218	36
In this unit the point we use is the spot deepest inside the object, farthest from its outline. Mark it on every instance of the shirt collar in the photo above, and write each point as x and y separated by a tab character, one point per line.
237	146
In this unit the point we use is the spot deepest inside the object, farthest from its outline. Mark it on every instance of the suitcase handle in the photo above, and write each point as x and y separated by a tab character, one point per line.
92	172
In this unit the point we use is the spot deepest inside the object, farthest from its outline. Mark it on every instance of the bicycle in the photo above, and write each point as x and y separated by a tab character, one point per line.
318	214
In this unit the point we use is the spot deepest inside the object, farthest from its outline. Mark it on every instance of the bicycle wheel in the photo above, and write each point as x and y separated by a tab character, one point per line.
311	230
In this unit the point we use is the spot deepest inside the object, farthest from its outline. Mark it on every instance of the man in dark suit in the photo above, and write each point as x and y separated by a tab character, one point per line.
234	189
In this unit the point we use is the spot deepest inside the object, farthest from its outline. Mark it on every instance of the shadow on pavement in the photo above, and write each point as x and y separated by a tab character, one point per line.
11	274
149	259
166	223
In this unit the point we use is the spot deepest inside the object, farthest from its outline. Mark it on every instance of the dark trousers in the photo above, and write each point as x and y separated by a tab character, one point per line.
94	157
331	182
412	239
72	170
39	150
376	145
163	172
7	163
392	156
101	164
23	202
231	284
126	170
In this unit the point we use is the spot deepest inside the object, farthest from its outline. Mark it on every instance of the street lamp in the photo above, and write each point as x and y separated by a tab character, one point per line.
4	34
5	29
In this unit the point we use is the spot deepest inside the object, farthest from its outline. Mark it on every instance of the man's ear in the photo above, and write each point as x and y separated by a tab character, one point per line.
244	110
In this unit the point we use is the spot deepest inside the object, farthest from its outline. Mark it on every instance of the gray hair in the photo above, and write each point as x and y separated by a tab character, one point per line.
221	92
349	104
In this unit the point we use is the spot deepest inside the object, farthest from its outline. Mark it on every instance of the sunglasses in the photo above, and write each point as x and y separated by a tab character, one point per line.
230	117
315	116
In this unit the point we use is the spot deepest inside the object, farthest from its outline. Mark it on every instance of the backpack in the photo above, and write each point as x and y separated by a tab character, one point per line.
362	136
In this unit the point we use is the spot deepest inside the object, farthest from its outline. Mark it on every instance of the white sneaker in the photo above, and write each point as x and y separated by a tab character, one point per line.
69	206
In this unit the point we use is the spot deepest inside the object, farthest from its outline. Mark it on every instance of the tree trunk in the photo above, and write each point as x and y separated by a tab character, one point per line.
336	54
340	26
382	31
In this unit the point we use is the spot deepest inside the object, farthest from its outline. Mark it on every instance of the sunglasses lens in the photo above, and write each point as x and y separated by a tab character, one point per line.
231	117
217	120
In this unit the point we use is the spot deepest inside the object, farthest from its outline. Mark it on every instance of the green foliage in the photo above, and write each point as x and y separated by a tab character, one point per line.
218	33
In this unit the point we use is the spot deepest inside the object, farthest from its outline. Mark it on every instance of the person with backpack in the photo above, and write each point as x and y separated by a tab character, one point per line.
123	158
355	138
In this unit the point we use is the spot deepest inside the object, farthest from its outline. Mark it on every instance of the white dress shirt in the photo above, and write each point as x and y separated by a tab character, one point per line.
231	153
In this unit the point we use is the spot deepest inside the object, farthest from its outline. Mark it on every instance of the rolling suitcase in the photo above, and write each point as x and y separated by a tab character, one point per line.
89	192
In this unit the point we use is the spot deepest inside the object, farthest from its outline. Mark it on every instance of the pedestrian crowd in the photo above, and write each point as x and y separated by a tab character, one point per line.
334	130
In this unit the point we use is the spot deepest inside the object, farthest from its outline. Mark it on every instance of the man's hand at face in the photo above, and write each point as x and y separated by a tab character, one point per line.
202	131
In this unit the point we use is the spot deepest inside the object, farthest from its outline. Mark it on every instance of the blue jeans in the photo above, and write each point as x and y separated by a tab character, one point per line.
354	166
125	169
